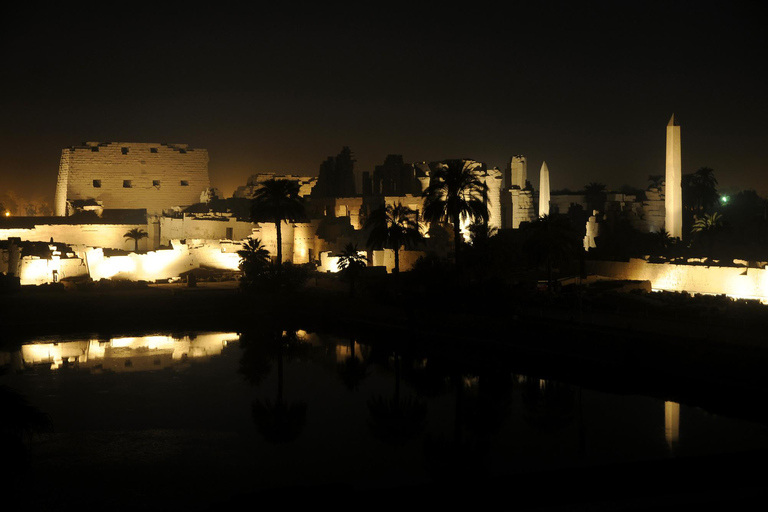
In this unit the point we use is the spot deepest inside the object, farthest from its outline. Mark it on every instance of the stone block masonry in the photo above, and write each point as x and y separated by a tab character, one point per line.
153	176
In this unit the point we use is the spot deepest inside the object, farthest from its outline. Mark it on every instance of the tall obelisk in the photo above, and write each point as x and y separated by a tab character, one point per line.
673	193
544	190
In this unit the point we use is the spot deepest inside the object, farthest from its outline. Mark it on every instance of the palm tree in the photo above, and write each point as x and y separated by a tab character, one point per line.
594	194
254	259
277	201
703	183
551	240
393	227
707	223
351	264
456	193
136	234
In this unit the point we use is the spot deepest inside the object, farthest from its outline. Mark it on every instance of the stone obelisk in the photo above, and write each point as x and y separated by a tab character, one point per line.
544	190
673	193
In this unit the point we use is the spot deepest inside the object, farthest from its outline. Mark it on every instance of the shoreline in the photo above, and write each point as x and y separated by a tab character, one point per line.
723	372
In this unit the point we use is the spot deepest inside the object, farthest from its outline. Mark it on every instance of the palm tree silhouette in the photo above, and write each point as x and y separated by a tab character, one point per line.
277	201
393	227
398	419
703	183
551	240
351	264
254	260
136	234
456	193
279	421
594	195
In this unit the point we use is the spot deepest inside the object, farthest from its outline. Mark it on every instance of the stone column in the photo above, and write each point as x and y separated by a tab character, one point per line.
673	194
544	190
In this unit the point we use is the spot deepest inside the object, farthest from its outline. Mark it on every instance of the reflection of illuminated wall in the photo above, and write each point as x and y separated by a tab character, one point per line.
127	354
740	282
672	423
344	352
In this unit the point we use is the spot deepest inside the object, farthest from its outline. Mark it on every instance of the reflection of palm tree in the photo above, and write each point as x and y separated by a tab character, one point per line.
393	227
18	419
396	420
277	201
550	405
352	370
279	421
456	193
136	234
446	459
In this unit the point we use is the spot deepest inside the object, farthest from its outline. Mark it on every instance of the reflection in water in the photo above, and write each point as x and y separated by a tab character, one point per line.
351	366
280	421
398	419
550	405
132	354
672	424
18	419
412	415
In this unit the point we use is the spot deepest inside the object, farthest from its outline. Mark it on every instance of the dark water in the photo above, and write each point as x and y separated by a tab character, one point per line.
190	421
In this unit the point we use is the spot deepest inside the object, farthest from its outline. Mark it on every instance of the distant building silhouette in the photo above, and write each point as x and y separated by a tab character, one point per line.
336	177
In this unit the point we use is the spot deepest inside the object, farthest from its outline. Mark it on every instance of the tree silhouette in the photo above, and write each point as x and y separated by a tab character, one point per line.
279	421
551	240
254	261
393	227
136	234
351	264
398	419
277	201
594	194
352	371
703	188
456	193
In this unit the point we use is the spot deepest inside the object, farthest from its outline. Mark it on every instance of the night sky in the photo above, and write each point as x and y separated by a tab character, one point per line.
587	86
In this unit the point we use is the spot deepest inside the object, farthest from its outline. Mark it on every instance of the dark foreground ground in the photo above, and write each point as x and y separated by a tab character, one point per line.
712	359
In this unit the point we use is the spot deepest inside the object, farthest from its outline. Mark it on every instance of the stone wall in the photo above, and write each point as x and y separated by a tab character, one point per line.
157	177
220	227
109	236
737	281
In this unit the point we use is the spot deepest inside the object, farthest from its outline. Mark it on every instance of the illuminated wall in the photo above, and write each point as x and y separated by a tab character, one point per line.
306	183
132	175
209	227
386	258
163	264
94	235
36	271
735	281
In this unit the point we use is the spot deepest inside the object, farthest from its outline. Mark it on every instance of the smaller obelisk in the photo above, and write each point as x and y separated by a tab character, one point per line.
673	192
544	190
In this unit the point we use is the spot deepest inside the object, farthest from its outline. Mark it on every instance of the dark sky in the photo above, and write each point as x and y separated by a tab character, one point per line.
586	86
